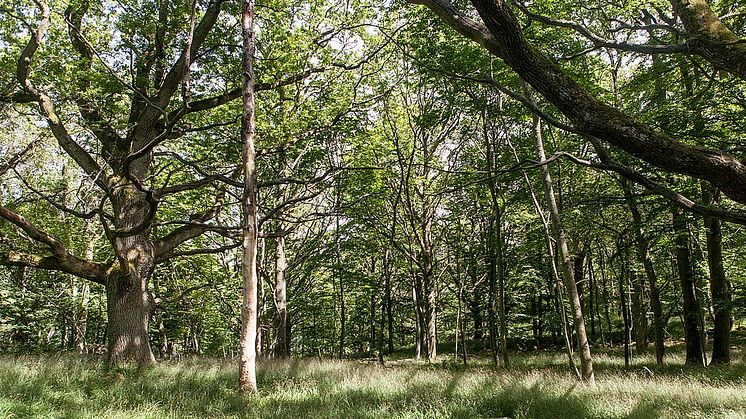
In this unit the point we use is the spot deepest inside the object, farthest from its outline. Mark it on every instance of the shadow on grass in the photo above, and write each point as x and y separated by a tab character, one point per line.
298	388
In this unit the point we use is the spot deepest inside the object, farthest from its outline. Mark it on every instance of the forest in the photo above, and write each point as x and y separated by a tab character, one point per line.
325	208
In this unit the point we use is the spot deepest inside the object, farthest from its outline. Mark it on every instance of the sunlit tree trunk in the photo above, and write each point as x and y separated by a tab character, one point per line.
247	344
584	349
280	343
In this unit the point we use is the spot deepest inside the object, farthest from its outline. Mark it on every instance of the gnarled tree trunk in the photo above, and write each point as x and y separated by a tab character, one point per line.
129	303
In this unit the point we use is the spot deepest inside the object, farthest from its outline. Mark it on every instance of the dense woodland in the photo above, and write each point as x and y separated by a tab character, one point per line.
443	180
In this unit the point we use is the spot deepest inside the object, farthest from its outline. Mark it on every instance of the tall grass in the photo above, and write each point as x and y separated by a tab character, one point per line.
535	386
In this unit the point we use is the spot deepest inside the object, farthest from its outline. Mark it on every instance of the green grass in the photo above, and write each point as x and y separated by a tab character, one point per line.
535	386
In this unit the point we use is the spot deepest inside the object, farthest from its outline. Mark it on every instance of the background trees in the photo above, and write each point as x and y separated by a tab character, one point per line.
403	202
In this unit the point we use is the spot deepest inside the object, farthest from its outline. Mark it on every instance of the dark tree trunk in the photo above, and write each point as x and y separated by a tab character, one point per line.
475	309
639	314
492	309
387	291
693	332
502	315
624	305
592	297
643	255
719	287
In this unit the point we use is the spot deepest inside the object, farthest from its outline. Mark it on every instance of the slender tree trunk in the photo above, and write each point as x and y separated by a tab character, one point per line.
719	287
419	323
431	290
555	283
584	349
502	315
81	297
380	334
247	344
280	342
624	302
387	296
491	309
643	255
495	246
493	294
694	353
639	313
605	292
338	251
591	291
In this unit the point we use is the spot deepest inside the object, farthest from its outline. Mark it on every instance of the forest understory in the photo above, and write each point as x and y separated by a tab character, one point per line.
536	385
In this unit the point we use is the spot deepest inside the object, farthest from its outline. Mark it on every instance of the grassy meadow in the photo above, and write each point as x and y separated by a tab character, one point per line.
534	386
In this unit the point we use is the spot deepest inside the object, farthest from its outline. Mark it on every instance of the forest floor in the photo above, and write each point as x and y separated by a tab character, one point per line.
536	385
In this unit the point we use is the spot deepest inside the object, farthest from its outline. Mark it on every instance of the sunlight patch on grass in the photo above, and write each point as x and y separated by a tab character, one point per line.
535	386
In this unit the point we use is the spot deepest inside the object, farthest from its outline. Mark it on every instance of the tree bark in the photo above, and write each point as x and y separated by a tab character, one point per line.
249	313
719	287
128	307
387	263
418	315
639	313
280	343
129	302
692	330
624	305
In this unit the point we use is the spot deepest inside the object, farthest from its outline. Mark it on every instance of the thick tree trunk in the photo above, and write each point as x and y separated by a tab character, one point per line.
280	343
129	303
719	288
584	349
128	308
693	333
